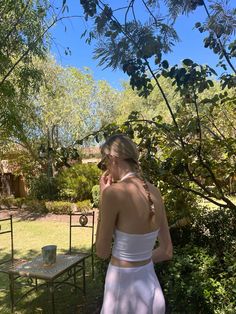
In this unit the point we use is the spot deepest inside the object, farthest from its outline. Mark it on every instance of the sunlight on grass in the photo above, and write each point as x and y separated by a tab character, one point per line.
34	235
205	203
29	237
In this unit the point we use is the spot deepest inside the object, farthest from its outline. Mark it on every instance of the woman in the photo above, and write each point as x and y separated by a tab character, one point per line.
132	212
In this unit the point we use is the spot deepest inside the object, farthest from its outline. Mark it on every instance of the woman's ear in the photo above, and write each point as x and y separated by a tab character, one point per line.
115	160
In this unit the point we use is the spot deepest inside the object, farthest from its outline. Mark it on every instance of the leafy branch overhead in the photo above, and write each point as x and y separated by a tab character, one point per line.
120	43
138	45
187	128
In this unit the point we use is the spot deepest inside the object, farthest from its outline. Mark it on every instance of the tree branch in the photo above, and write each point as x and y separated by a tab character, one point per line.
127	11
150	12
220	43
153	75
32	45
202	195
16	23
167	103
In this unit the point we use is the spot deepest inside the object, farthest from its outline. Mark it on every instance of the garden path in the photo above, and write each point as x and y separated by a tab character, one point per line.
27	215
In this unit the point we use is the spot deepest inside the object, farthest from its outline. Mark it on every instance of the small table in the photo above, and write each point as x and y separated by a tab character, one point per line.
37	270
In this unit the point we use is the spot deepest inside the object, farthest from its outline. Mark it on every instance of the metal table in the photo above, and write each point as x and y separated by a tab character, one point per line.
35	269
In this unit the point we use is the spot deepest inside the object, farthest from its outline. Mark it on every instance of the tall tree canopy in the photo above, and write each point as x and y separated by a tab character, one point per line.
138	45
68	105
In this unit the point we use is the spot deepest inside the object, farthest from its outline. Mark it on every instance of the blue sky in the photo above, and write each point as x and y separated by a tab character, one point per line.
190	46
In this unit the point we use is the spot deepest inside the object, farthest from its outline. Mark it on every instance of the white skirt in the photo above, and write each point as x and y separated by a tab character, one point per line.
134	290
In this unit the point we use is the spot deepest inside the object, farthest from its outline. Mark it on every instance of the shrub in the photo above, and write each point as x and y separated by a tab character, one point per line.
44	188
193	283
76	183
59	207
214	228
35	206
19	201
84	206
179	204
201	278
11	201
96	195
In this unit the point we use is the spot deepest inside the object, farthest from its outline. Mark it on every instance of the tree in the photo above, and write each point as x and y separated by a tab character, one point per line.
68	104
151	106
133	43
24	36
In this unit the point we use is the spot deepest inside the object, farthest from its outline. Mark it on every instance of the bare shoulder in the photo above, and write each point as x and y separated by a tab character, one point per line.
108	192
114	192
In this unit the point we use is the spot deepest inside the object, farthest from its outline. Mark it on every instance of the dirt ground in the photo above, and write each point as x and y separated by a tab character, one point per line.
27	215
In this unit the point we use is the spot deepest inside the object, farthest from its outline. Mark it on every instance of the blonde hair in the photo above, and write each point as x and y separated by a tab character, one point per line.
121	146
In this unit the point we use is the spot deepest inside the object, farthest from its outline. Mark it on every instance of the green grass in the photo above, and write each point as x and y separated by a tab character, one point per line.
204	203
29	237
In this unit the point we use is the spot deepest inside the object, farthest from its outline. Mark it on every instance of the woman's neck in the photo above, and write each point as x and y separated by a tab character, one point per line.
127	174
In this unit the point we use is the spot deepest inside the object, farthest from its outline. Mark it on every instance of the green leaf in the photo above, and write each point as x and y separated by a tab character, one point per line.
187	62
212	70
165	64
210	83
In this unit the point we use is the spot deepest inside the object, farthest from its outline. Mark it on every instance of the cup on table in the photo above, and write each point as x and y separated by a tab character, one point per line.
49	253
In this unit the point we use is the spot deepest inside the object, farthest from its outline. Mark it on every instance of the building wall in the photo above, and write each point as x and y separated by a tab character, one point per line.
12	185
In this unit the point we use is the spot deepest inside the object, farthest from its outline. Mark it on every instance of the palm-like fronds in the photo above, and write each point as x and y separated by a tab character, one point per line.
177	7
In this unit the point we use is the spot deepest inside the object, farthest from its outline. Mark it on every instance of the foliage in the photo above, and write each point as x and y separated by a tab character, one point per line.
178	204
149	107
215	229
84	206
12	202
96	195
101	266
22	35
70	116
44	188
29	204
201	161
197	278
46	131
194	283
186	142
76	113
59	207
76	183
41	104
34	205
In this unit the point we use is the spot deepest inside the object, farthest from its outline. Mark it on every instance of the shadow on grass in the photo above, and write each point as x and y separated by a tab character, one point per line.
22	214
30	216
67	299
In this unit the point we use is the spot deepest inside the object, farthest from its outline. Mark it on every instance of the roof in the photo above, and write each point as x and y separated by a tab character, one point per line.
92	151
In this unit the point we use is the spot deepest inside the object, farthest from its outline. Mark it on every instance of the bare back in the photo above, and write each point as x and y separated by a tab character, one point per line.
134	209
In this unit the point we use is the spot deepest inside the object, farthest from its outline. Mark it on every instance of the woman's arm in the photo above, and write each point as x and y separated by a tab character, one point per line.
107	219
164	251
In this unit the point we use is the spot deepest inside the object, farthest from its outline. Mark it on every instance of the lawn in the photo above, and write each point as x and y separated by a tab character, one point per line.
205	203
29	237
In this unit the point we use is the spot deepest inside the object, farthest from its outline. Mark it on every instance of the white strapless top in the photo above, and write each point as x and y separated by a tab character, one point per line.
133	247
